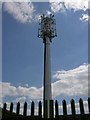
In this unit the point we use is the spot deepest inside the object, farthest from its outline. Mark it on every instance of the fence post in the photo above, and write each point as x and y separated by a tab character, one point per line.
51	109
56	108
40	109
89	105
81	106
18	108
11	107
4	106
25	109
46	109
32	108
73	107
64	107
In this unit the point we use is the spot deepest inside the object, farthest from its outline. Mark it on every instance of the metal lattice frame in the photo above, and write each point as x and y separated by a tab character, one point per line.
47	27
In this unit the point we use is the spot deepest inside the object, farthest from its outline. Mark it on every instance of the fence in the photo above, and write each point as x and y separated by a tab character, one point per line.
54	111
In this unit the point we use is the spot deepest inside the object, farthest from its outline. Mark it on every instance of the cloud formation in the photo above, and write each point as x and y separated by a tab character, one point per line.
61	5
24	11
76	5
10	90
21	11
85	18
68	83
72	82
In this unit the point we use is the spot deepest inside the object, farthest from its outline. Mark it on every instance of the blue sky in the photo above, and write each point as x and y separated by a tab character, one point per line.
22	51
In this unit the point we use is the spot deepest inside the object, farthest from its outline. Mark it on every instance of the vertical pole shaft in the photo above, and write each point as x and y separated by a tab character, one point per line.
47	70
47	75
47	31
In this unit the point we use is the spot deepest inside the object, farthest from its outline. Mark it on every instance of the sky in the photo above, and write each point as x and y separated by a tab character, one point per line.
23	54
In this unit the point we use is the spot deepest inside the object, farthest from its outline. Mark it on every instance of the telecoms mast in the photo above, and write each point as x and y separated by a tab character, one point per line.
47	31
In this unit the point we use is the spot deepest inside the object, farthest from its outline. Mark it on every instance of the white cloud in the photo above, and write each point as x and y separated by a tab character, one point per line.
76	5
85	18
24	11
21	99
21	11
57	6
72	82
48	12
10	90
60	5
68	83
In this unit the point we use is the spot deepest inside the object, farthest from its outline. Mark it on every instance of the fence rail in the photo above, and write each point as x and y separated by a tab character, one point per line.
54	111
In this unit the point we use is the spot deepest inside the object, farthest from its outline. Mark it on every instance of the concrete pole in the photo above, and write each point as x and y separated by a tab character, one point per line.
47	75
47	31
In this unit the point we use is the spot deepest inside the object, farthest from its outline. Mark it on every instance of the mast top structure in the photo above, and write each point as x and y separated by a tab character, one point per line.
47	27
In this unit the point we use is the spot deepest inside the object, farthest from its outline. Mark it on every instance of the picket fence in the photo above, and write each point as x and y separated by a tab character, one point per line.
54	106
